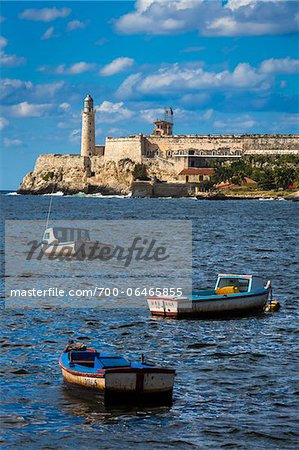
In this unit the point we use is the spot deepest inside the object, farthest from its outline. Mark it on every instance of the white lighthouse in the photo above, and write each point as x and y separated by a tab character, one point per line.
88	129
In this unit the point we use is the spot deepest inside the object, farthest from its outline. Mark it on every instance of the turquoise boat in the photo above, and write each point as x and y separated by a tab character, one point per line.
233	295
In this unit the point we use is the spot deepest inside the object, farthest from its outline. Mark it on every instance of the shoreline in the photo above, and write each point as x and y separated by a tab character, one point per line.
252	195
211	196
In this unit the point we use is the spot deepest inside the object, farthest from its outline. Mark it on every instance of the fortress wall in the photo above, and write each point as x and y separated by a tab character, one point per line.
278	152
201	143
70	167
121	148
262	144
66	162
278	143
99	150
67	173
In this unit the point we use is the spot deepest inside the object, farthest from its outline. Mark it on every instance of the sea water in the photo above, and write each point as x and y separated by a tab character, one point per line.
236	379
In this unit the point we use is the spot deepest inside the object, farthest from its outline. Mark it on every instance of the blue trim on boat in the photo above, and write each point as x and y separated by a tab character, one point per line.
101	363
212	296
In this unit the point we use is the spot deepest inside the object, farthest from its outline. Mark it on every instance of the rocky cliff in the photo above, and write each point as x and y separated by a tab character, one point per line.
73	173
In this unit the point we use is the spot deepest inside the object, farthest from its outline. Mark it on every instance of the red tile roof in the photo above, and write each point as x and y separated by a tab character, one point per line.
249	180
197	171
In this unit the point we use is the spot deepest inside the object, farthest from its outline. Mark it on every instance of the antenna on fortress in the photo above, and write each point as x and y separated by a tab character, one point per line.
168	114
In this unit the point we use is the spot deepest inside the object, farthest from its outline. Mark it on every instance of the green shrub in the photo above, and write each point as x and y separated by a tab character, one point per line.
140	172
48	176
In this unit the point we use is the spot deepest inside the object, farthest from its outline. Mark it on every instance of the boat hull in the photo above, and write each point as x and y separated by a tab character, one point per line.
235	305
121	382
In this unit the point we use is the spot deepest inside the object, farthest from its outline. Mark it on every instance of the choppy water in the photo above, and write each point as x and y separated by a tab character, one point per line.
236	379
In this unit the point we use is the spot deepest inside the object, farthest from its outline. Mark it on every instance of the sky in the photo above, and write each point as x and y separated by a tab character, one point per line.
224	66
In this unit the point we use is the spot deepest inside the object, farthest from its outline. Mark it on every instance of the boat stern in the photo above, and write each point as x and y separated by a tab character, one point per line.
140	382
169	306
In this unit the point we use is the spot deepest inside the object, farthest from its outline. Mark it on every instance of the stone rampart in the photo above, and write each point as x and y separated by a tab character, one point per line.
169	146
122	148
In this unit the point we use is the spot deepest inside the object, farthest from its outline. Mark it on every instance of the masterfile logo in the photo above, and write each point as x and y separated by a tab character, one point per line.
140	249
105	264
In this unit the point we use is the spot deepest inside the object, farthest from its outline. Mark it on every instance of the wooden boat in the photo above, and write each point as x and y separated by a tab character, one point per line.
72	242
114	376
232	295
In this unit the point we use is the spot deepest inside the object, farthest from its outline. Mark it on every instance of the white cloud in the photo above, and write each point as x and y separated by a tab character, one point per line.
101	41
73	69
11	60
208	114
44	14
181	115
283	65
12	91
3	123
235	125
127	88
14	84
25	109
183	77
290	119
3	42
47	90
110	112
149	115
115	132
65	106
48	34
75	25
12	142
233	18
236	4
75	136
116	66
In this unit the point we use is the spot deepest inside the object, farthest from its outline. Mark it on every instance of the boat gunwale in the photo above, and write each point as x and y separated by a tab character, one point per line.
213	298
116	370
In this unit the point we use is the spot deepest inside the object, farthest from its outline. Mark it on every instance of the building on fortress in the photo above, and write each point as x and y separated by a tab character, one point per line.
180	151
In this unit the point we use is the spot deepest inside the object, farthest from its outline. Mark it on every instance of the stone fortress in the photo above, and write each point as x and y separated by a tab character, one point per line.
108	168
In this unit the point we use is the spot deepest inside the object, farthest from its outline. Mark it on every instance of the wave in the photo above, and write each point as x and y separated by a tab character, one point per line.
97	195
12	193
56	194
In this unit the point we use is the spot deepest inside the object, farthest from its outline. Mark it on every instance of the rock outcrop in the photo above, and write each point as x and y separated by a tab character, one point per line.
71	174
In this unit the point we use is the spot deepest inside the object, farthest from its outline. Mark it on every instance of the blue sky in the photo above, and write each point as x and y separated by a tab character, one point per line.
223	66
